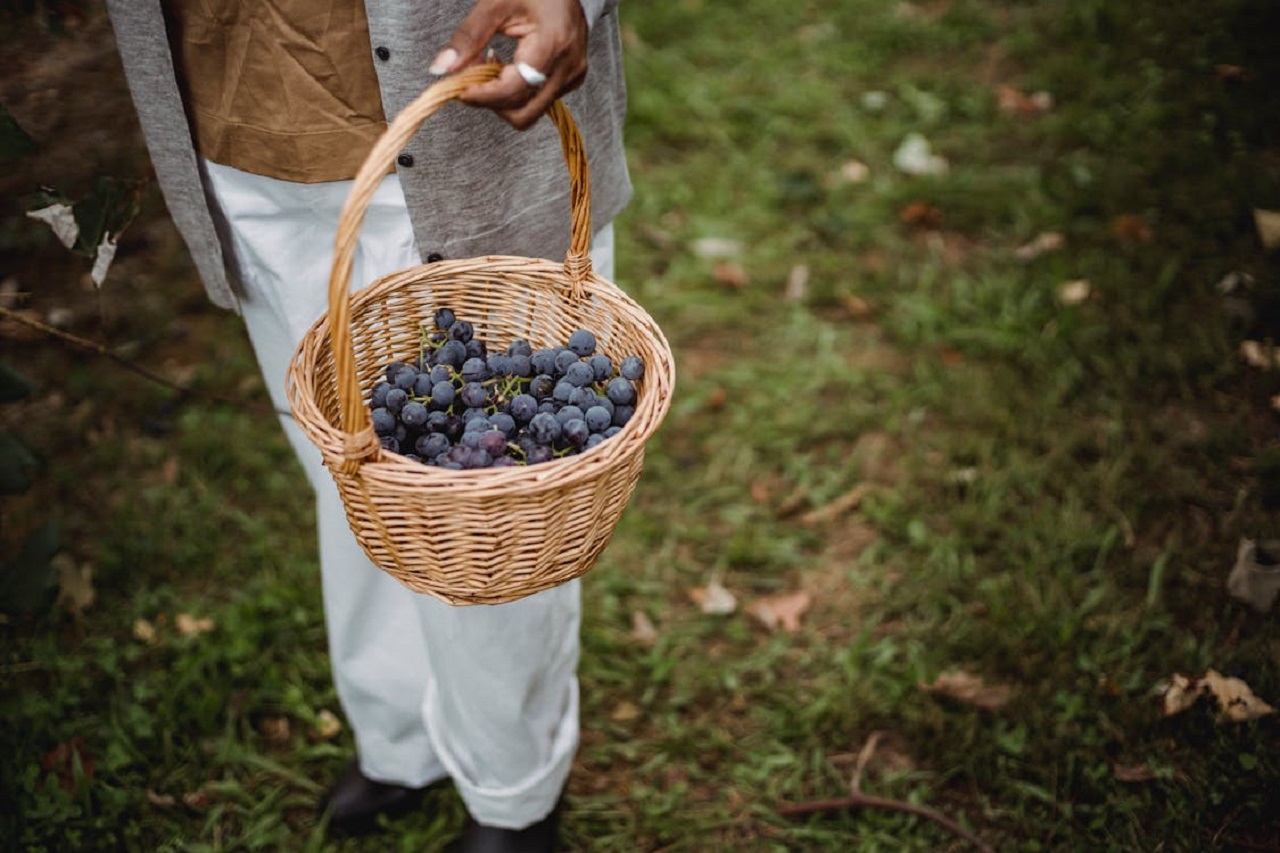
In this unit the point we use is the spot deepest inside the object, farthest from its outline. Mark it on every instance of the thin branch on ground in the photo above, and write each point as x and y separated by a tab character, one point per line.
102	350
863	801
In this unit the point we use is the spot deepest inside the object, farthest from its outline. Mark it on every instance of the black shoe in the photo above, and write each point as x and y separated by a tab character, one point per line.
354	802
539	838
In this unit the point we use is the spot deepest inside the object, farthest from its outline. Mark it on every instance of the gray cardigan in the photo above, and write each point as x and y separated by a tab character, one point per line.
520	207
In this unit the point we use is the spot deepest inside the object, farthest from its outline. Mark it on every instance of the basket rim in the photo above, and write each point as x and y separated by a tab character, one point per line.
651	408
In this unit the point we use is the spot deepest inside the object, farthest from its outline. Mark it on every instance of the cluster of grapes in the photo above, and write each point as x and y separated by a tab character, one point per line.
461	406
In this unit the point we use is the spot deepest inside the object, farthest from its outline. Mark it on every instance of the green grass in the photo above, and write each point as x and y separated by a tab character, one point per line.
1055	492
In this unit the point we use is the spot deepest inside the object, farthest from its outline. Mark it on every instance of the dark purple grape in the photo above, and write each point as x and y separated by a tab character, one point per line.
563	390
390	442
568	413
478	422
480	459
544	361
436	420
442	394
384	423
441	373
575	431
564	358
583	398
503	462
540	453
621	391
461	330
521	366
396	398
422	385
431	445
405	377
603	402
544	429
601	366
472	439
612	431
444	318
477	348
414	414
592	440
519	346
499	364
523	408
393	369
378	397
632	367
474	370
622	414
579	373
474	395
598	418
542	386
493	442
582	342
452	353
503	423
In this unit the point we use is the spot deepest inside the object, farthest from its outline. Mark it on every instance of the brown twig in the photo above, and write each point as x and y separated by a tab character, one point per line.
863	801
101	349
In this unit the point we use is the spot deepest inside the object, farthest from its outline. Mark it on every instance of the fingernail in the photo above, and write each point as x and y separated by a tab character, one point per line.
444	61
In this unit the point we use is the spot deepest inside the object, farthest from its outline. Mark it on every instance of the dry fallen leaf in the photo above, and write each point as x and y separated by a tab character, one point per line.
797	283
920	214
1074	292
1259	355
1227	72
1268	225
1049	241
969	688
625	712
189	625
160	799
1135	773
717	247
1013	100
781	612
327	726
1131	228
1235	699
71	762
854	172
730	274
1179	695
642	628
846	502
75	584
855	306
714	598
144	631
275	728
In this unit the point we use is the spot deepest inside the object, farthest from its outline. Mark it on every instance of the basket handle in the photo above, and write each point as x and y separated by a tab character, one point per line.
362	444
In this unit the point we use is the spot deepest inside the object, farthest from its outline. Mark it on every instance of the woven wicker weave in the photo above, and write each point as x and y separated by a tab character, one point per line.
474	536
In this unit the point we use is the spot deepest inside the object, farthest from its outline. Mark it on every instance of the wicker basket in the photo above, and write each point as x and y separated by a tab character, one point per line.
474	536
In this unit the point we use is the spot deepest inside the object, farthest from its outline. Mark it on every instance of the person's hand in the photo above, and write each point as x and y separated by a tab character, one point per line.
551	39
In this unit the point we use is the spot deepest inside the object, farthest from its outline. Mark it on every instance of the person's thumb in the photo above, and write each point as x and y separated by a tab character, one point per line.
470	38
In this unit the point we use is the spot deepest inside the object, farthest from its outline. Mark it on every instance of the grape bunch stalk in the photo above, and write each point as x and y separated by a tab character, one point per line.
461	405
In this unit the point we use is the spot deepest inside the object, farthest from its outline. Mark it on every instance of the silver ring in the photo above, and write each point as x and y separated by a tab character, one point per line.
533	78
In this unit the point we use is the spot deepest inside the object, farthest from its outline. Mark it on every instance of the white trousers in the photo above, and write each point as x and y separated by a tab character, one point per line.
485	694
